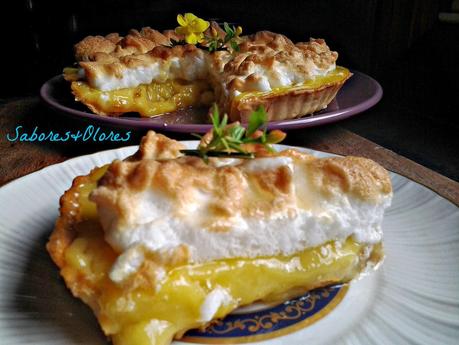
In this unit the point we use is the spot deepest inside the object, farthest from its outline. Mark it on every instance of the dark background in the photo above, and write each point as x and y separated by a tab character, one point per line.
402	44
370	35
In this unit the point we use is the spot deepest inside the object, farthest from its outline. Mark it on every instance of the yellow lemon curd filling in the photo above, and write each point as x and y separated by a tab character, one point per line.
147	99
151	308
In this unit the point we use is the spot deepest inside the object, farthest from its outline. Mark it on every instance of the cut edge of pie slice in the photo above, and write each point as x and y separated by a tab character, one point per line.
140	293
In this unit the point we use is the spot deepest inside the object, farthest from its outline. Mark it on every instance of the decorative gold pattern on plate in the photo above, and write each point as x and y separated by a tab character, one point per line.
267	325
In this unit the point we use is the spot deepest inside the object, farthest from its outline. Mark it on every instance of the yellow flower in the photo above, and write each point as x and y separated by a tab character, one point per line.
191	27
238	31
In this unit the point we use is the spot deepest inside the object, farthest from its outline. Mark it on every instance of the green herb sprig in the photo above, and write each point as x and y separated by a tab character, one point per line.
215	42
229	140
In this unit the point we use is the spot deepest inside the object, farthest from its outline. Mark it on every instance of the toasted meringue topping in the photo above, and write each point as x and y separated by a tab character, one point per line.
243	208
265	61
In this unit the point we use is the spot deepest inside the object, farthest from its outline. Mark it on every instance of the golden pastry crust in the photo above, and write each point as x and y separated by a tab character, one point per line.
64	232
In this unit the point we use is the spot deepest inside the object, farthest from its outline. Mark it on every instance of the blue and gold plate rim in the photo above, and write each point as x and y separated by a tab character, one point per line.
272	322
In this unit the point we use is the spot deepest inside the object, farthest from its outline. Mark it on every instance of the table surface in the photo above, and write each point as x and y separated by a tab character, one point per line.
20	158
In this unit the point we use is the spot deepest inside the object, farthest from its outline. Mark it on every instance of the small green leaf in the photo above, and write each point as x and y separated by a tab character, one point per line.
227	28
216	121
224	121
237	132
229	37
225	144
235	46
236	147
256	120
215	117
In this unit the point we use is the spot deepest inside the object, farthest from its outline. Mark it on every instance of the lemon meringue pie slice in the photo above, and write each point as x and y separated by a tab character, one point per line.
161	243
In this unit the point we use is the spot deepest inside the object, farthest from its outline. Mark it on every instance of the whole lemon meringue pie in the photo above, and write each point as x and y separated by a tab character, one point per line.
151	72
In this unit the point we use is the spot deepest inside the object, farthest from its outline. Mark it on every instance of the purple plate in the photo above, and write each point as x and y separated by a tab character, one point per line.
358	94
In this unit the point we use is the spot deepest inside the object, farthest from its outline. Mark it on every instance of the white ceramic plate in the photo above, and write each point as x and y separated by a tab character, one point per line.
413	298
